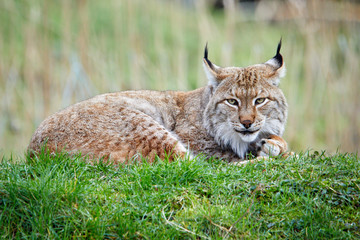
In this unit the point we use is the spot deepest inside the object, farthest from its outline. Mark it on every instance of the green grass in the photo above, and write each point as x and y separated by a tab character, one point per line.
312	196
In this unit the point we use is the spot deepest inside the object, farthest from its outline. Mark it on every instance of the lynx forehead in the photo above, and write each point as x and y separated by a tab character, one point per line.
241	111
249	76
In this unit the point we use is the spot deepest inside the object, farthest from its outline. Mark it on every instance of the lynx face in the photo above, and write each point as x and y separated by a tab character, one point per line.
246	104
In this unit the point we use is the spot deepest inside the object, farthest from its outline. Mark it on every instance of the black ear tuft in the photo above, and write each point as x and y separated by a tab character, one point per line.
279	47
206	55
206	51
278	56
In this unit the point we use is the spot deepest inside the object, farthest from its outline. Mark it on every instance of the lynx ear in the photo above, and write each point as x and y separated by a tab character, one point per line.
212	71
277	67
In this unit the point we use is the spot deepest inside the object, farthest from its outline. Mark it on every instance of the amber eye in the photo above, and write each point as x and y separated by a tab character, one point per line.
232	102
259	101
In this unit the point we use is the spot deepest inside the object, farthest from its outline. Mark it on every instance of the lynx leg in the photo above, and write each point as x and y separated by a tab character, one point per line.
119	136
138	134
272	146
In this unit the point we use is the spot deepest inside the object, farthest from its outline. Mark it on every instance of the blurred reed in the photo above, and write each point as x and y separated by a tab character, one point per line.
55	53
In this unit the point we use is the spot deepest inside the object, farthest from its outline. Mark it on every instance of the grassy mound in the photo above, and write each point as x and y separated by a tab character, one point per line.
311	196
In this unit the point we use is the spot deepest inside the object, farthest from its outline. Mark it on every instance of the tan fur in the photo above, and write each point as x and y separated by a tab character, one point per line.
120	126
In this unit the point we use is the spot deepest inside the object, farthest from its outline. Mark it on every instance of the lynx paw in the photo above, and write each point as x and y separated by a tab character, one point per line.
272	146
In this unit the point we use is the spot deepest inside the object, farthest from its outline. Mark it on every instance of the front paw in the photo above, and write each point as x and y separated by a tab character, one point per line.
272	146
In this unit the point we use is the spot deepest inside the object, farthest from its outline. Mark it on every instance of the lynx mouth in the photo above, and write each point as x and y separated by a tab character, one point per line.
247	132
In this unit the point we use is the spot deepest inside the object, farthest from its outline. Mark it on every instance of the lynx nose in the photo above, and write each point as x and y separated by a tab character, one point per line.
246	123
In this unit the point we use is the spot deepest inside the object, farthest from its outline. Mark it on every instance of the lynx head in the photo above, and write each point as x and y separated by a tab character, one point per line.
245	103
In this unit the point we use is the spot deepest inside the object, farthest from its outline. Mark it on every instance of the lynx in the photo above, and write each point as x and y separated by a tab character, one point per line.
240	111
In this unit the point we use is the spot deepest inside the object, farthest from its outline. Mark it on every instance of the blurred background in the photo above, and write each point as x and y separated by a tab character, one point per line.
55	53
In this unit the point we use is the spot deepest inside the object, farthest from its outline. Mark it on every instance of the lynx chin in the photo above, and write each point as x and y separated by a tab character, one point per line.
242	110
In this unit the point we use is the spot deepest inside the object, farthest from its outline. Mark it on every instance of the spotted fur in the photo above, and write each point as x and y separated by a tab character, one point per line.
223	119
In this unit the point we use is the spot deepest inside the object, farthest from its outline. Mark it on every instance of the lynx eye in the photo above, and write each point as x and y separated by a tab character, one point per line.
232	102
259	101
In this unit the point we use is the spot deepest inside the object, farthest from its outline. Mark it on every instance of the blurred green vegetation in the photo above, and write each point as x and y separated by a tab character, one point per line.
55	53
